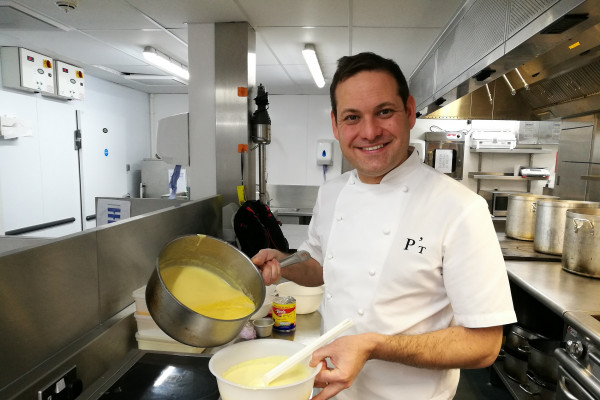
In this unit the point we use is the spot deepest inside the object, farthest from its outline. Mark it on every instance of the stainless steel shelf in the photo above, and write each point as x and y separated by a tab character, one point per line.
513	151
479	175
591	177
503	177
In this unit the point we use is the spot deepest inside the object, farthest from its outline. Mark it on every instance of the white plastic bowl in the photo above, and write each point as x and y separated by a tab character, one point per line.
237	353
267	305
308	299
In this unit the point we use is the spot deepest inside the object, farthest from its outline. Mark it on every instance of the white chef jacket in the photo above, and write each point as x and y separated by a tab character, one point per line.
415	253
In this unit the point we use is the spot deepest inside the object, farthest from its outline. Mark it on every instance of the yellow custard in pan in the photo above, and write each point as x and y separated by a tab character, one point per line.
206	293
250	373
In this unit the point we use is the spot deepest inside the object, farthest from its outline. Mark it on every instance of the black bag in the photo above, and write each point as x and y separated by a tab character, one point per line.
257	228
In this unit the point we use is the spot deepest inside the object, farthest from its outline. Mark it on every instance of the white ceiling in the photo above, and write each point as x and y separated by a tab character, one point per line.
112	34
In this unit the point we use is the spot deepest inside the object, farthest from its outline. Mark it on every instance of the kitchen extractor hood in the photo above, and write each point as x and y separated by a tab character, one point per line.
513	60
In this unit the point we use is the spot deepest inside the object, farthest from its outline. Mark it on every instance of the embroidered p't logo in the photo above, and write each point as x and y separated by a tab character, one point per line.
411	244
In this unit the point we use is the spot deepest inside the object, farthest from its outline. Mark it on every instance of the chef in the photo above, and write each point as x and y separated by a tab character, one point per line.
409	254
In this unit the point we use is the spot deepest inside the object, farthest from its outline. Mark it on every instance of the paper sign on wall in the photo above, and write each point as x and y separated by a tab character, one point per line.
12	127
110	210
443	160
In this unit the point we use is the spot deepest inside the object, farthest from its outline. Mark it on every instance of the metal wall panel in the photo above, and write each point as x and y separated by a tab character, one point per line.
127	250
234	44
53	294
48	296
293	196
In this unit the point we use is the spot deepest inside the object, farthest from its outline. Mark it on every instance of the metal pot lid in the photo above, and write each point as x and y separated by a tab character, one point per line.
530	196
558	203
585	212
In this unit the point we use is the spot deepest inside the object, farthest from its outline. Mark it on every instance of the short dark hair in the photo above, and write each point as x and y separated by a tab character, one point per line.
349	66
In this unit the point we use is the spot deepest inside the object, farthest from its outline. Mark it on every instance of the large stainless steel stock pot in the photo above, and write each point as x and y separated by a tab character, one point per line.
551	215
581	249
520	215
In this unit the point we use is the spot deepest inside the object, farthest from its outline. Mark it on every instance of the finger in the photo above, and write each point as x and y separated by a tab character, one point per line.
271	272
267	274
327	375
259	258
315	362
316	359
328	392
319	384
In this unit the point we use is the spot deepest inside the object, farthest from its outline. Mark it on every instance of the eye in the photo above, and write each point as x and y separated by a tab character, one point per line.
350	118
386	112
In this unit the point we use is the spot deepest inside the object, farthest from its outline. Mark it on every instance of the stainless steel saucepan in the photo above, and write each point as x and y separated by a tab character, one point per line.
182	323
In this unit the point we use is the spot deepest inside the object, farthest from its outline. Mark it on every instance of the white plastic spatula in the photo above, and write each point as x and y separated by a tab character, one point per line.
306	351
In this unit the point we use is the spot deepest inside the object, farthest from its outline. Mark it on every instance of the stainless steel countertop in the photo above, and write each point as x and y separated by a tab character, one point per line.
302	212
556	288
308	327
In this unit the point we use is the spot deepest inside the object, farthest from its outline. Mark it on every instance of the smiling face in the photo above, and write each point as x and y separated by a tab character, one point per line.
373	125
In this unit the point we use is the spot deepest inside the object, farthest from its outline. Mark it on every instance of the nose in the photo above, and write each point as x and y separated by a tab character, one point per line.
370	129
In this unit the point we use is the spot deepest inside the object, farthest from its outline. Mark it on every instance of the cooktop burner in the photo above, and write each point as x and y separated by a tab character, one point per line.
158	376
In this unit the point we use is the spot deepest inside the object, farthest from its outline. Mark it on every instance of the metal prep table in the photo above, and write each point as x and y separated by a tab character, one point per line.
547	298
559	290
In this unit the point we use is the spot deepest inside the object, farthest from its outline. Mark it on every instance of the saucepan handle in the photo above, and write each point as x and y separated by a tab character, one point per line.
297	257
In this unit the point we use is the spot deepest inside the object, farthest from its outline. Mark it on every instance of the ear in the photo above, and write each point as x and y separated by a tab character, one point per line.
334	126
411	111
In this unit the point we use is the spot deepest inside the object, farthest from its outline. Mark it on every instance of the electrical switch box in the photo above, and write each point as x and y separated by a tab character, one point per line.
27	70
67	386
69	81
324	152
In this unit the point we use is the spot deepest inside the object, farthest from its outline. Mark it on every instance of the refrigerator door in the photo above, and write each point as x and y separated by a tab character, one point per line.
595	158
569	185
593	193
575	144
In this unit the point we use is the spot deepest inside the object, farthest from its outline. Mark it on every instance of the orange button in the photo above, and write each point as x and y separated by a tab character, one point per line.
242	91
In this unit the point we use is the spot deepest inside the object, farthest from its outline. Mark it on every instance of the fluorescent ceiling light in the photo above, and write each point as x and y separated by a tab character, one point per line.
310	56
166	63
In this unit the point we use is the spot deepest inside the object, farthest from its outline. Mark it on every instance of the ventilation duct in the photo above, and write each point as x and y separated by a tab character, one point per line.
550	59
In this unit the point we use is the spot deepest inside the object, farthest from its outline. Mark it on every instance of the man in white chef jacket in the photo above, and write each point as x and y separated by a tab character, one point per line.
409	254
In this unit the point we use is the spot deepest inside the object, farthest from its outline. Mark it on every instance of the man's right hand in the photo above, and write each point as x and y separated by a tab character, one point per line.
267	261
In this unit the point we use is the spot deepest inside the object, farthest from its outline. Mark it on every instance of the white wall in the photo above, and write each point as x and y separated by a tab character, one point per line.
297	123
39	175
125	114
